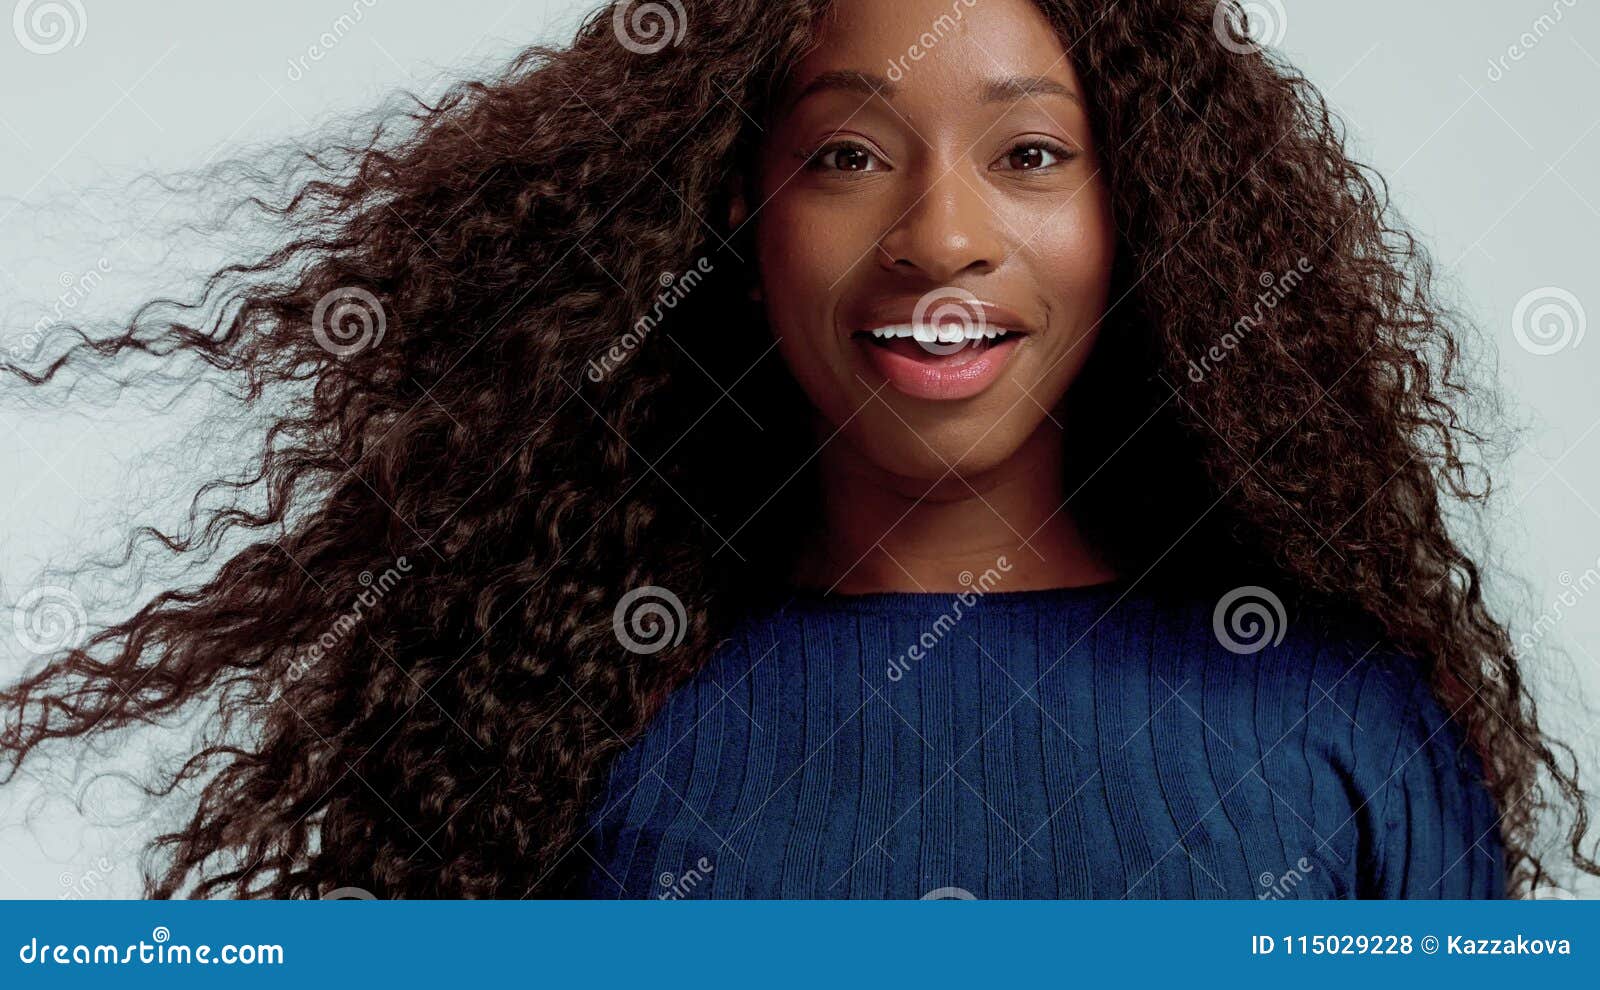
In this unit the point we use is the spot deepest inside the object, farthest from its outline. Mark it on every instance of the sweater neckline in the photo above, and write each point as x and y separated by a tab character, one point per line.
922	602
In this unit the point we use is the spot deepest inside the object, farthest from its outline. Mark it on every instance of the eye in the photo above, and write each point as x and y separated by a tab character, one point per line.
845	156
1034	155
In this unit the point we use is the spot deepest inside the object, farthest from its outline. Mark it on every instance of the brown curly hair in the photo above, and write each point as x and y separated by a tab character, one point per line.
449	742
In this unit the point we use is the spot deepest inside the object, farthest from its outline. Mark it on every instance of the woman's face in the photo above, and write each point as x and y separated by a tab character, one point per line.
930	173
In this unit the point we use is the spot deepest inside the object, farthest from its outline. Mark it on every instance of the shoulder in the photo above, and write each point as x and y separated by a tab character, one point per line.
1284	646
1331	688
1313	674
1424	820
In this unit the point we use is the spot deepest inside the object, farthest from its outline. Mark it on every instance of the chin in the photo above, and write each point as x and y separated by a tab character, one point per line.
949	450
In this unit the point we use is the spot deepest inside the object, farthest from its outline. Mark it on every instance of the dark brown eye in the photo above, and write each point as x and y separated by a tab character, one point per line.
845	158
852	159
1028	158
1034	156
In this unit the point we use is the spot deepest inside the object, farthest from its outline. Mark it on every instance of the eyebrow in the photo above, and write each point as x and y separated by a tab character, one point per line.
1007	90
843	80
1018	87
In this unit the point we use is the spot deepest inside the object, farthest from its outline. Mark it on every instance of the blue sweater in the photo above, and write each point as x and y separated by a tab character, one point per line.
1066	743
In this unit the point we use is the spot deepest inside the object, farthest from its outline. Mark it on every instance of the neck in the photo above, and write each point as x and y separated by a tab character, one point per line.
883	532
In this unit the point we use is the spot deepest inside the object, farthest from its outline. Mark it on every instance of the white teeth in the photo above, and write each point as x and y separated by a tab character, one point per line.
937	335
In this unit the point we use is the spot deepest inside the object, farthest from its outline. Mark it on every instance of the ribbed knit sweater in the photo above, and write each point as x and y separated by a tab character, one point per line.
1065	743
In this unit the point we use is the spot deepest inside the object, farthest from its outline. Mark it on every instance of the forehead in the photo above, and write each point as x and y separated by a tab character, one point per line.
936	42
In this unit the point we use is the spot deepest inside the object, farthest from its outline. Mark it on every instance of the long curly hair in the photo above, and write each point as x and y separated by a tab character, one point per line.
480	413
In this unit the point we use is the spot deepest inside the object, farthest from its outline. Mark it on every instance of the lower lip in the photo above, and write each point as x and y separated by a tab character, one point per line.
939	378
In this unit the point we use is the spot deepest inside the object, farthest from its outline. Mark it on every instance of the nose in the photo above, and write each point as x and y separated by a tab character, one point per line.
949	230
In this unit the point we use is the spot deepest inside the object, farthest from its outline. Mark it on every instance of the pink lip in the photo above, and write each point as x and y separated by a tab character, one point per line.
933	380
960	375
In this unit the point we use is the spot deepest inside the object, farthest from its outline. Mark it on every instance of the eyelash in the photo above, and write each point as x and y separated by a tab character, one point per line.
1063	154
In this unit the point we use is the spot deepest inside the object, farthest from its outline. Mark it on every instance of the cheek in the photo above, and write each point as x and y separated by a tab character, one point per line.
1070	262
804	253
1074	255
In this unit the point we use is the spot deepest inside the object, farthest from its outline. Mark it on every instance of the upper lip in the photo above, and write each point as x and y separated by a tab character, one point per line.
902	310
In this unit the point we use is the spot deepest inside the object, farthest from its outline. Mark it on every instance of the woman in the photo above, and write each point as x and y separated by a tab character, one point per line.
881	448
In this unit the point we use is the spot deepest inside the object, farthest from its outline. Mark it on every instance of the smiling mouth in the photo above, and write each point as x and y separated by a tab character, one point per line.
946	346
943	363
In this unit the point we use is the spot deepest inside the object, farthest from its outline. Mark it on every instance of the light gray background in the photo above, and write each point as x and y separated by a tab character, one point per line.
1499	171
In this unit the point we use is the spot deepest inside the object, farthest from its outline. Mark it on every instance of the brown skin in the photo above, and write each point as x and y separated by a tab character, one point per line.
941	179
